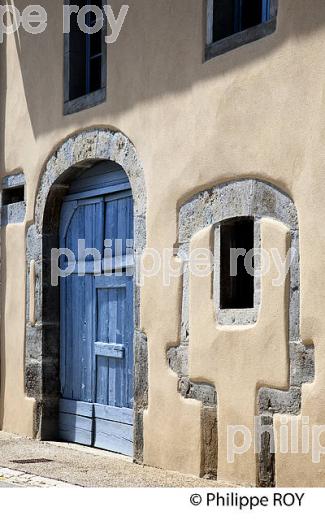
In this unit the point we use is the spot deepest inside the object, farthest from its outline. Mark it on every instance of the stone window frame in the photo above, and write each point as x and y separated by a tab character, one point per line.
42	336
217	48
13	213
259	199
72	106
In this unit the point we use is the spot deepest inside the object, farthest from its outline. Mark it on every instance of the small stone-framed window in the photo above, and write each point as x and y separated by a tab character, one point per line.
233	23
13	204
237	281
85	58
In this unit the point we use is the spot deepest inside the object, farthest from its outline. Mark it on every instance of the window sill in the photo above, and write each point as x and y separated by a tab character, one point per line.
242	38
243	317
84	102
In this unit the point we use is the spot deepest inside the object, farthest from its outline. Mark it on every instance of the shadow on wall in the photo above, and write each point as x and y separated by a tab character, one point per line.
151	58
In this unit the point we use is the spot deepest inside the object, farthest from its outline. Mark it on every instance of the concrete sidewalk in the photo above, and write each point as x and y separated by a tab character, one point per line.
69	464
13	478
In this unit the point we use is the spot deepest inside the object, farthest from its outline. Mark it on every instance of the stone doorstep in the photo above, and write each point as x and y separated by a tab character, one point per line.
23	479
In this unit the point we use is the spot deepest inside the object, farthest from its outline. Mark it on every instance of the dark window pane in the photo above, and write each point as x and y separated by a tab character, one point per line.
236	283
95	74
91	16
77	64
232	16
251	13
96	43
13	195
223	19
82	3
84	76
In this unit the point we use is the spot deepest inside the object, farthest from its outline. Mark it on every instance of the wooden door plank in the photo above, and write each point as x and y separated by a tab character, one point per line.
74	428
76	408
113	436
112	413
95	192
128	342
101	326
113	364
120	338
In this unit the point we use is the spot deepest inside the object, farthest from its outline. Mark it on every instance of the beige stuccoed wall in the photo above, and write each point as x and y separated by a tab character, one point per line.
16	410
257	111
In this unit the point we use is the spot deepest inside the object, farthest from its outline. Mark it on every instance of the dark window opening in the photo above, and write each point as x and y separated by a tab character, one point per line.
85	54
13	195
233	16
236	282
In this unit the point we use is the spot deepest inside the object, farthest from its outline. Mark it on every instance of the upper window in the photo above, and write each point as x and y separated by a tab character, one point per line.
232	23
85	60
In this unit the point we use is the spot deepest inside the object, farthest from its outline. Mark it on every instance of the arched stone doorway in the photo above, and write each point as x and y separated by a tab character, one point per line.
78	153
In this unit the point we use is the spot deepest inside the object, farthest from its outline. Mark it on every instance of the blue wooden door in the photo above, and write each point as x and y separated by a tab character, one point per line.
96	407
